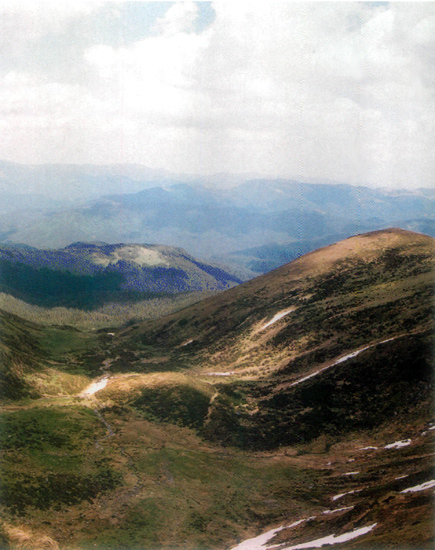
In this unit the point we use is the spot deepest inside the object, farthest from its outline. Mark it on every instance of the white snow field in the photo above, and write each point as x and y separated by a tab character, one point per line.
332	539
95	387
258	543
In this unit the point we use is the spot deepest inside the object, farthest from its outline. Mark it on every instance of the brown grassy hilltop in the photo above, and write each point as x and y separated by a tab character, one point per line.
358	290
301	400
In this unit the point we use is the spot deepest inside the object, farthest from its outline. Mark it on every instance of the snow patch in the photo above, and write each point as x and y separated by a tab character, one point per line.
338	361
328	512
257	543
310	376
186	343
95	387
398	444
333	539
344	494
219	373
289	527
350	473
422	487
277	317
401	477
368	448
357	352
260	542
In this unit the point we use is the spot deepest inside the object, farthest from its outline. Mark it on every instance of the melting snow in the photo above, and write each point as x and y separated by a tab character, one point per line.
338	361
338	510
422	487
187	343
367	448
277	317
344	494
332	539
398	444
350	356
401	477
257	543
260	542
219	373
310	376
94	387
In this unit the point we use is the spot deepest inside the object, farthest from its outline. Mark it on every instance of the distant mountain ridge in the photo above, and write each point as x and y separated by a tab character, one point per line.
85	273
215	222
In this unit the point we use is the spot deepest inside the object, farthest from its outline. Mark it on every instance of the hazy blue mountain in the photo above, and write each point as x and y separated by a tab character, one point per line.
71	181
285	217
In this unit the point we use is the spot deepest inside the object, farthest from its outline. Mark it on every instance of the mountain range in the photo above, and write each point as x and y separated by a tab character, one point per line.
252	224
292	411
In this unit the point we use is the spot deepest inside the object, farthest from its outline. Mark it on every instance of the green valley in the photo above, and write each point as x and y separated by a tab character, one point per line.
294	407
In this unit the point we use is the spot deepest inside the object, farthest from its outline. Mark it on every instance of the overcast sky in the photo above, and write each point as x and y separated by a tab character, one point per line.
330	91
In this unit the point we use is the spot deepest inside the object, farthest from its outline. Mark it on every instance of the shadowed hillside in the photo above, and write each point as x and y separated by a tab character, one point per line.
88	275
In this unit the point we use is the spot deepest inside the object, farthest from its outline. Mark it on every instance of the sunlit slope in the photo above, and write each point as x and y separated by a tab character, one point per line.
348	295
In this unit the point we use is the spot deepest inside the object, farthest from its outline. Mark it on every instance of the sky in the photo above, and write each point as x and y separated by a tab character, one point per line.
340	91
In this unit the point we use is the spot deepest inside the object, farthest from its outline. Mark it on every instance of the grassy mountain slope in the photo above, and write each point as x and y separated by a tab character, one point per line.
353	293
303	395
106	316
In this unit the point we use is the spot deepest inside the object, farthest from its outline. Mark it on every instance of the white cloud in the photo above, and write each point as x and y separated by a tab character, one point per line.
23	21
325	90
179	18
